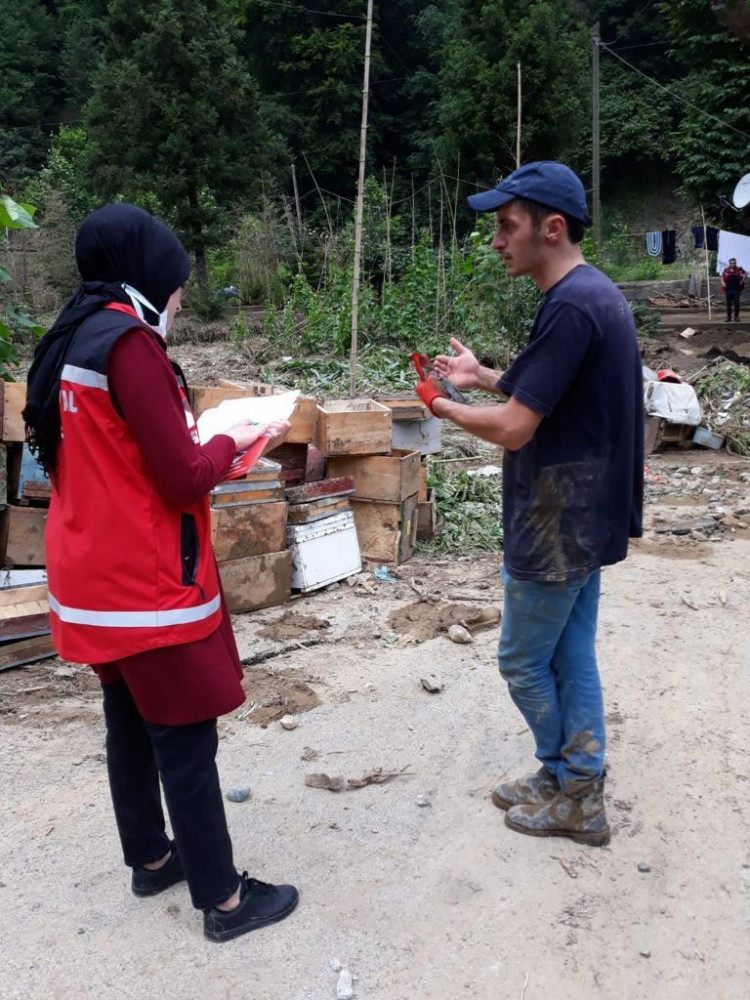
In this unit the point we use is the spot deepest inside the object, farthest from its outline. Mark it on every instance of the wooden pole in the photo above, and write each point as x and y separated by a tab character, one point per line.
359	213
297	204
518	118
708	272
596	207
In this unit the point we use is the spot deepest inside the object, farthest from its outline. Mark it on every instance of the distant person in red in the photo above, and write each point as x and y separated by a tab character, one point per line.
133	585
732	283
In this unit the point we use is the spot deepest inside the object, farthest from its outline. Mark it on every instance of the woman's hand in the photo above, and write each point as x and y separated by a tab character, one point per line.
462	370
278	432
246	433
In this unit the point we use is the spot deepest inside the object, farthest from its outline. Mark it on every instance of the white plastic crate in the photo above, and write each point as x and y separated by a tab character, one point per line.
324	551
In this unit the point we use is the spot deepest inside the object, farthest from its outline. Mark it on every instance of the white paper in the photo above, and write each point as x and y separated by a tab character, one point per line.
259	409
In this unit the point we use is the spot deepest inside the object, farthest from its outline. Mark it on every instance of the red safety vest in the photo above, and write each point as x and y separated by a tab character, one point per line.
127	571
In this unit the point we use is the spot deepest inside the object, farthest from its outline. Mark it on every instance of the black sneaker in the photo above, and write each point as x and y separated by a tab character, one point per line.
260	904
148	882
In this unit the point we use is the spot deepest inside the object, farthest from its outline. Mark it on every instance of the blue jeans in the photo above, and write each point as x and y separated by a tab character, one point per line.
547	655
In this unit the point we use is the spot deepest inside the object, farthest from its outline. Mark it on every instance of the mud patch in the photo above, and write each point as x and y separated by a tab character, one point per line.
424	620
292	626
272	694
49	692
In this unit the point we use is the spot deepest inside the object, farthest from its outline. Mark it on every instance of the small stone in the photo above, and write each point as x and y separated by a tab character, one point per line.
336	965
64	672
238	793
645	953
344	987
697	470
423	801
643	867
459	634
81	930
431	683
289	722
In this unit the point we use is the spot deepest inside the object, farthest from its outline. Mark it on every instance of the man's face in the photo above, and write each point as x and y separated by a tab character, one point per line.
732	262
517	241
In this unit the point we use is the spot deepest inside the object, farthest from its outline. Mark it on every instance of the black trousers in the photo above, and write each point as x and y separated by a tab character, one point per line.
140	753
733	302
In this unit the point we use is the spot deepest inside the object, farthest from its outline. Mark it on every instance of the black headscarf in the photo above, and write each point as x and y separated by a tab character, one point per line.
116	244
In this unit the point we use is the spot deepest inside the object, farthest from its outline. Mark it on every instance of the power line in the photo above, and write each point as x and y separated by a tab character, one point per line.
309	10
706	114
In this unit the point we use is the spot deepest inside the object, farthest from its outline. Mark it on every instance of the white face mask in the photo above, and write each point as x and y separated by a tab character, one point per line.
138	301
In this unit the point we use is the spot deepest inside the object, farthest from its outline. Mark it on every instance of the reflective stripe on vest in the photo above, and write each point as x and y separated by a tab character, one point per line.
84	376
134	619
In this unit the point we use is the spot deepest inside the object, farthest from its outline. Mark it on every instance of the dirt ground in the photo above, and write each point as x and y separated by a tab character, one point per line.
415	885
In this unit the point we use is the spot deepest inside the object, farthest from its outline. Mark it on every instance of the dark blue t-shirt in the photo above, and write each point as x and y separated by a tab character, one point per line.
574	494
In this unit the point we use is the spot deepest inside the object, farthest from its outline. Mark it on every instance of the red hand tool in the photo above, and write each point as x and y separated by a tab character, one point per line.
426	370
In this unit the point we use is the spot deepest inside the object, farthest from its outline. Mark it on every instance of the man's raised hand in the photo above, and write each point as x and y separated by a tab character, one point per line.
462	369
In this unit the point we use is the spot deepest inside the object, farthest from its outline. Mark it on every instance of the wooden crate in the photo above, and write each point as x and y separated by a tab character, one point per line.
353	427
248	530
422	493
391	477
304	418
22	536
12	404
257	582
426	517
387	532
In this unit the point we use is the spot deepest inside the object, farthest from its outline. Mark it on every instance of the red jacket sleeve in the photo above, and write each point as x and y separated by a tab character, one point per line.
145	390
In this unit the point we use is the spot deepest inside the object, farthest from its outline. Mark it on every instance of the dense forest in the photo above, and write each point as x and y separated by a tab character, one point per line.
238	120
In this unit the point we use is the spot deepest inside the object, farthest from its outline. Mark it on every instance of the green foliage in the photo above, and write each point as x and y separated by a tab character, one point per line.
66	172
647	320
205	301
712	156
14	321
470	511
30	87
174	115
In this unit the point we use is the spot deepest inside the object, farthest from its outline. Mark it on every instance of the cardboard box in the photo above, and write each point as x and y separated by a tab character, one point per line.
387	532
391	477
248	530
257	581
353	427
22	536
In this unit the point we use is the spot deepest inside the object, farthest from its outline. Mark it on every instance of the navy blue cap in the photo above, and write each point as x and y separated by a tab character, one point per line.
546	182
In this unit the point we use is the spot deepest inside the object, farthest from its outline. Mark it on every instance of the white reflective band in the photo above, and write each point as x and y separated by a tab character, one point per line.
133	619
84	376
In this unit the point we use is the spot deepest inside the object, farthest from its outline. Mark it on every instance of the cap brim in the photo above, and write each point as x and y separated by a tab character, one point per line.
488	201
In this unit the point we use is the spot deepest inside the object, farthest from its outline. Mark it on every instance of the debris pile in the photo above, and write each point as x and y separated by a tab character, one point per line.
724	393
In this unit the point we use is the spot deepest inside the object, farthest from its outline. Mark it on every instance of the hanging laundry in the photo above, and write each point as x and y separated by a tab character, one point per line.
698	236
668	246
653	243
712	238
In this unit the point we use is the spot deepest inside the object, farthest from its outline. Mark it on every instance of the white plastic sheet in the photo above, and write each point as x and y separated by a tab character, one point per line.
675	401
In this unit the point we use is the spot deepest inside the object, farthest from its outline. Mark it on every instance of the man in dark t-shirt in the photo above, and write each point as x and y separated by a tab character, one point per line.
572	431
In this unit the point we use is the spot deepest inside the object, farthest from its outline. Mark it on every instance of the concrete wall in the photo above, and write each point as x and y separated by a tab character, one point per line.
642	290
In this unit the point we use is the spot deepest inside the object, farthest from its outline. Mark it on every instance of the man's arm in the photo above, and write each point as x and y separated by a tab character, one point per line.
511	425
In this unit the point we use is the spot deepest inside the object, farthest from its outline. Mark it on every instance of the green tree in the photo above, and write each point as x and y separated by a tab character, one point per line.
30	87
173	121
475	115
712	154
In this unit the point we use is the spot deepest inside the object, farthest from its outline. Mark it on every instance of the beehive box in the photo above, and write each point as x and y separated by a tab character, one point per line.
324	551
257	581
22	536
12	403
353	427
387	532
304	418
391	477
248	530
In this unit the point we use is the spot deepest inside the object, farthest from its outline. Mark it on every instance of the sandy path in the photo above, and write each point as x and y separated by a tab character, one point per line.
436	902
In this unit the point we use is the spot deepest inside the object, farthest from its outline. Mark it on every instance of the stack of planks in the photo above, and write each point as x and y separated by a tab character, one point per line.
24	622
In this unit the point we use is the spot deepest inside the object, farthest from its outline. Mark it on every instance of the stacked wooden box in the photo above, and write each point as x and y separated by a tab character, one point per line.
416	429
24	489
248	535
357	438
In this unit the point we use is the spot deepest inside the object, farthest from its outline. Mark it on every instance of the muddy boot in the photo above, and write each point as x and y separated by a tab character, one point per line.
580	816
533	790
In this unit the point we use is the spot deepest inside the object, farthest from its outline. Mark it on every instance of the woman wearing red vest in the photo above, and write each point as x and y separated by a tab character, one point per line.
133	584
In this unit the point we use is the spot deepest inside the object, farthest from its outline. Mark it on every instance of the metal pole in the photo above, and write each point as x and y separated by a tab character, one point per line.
708	272
596	208
518	118
359	213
